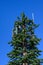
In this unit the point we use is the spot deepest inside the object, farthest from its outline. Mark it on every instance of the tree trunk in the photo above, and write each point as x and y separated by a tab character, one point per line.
25	63
25	54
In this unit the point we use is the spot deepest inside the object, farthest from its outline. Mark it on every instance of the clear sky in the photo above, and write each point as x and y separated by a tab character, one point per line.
9	10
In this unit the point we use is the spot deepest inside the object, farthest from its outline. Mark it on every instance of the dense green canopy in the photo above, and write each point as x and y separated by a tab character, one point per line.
24	40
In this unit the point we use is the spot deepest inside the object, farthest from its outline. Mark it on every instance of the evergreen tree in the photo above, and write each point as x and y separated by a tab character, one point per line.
24	43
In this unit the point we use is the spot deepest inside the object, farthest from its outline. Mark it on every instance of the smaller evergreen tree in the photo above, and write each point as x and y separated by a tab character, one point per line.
24	43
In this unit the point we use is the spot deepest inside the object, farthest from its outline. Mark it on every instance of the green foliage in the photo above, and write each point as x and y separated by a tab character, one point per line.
24	41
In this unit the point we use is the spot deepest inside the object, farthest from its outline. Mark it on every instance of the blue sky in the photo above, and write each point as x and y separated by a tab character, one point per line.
9	10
